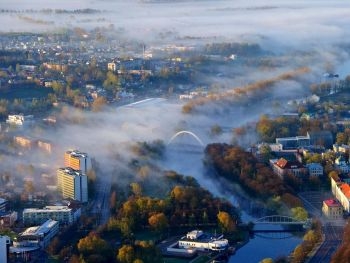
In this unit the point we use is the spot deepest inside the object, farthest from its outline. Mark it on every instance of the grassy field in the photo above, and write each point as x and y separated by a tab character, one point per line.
175	260
147	235
25	91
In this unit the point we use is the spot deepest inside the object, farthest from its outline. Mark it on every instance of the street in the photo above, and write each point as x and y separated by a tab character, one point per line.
332	229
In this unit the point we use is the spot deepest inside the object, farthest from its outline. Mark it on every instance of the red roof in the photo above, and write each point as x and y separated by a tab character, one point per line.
332	202
345	188
284	164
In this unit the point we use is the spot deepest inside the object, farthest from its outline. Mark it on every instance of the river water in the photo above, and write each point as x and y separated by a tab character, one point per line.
260	246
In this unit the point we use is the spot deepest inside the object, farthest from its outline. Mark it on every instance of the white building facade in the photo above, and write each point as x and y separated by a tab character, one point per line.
62	214
37	236
4	248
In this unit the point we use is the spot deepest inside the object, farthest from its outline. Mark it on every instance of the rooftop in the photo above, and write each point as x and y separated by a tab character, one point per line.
201	237
47	208
76	153
332	202
71	171
345	188
285	164
40	230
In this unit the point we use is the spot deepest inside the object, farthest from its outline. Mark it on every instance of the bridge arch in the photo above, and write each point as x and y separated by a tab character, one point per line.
186	132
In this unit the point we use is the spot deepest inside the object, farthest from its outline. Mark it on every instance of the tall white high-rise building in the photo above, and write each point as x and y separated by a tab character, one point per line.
4	248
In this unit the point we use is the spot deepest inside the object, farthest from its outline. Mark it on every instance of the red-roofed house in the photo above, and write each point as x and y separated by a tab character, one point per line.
332	209
283	167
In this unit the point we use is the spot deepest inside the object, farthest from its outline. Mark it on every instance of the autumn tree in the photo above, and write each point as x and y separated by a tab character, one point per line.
93	244
226	222
98	104
158	222
343	252
113	201
126	254
299	254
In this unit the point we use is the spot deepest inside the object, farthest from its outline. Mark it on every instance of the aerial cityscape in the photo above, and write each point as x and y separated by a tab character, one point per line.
192	131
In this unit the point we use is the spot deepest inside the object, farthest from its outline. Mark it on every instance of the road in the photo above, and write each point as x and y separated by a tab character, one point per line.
332	230
100	206
333	239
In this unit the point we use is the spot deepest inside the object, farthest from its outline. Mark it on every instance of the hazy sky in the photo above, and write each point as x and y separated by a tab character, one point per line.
274	23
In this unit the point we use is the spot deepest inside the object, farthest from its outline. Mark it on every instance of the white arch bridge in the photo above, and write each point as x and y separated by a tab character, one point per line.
192	134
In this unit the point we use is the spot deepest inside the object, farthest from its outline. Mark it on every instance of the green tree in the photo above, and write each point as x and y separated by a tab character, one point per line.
299	213
112	82
58	88
311	237
136	189
266	152
126	226
215	130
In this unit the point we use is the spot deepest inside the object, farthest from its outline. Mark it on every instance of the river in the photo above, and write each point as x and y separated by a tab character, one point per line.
260	246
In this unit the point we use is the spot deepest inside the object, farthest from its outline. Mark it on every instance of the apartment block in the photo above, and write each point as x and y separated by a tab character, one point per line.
72	184
77	160
62	214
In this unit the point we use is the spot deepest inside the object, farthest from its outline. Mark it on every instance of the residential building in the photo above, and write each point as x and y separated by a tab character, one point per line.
341	191
289	143
7	219
72	184
3	205
315	169
341	165
37	236
62	214
23	141
344	148
45	145
77	160
19	119
323	138
56	67
332	209
112	66
282	167
4	248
